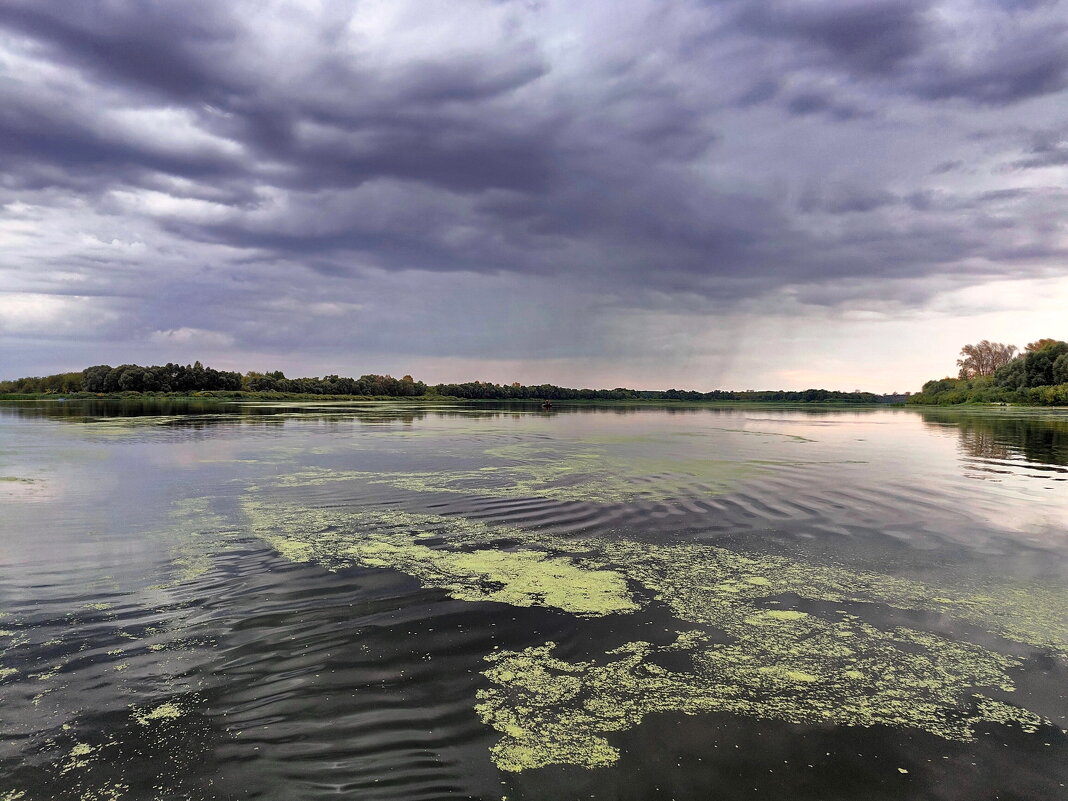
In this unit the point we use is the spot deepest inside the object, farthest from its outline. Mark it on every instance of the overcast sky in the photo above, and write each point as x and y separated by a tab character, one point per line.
739	194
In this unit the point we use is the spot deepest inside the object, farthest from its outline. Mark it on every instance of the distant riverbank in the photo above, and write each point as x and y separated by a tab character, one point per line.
224	396
175	380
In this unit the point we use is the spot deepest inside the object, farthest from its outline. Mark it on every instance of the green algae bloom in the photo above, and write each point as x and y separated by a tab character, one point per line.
551	711
196	535
793	665
592	472
166	711
780	664
521	578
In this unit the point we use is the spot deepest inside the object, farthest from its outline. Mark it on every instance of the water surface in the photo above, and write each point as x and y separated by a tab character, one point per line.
377	601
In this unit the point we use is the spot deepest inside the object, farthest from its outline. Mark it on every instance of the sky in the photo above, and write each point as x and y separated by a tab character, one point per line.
736	194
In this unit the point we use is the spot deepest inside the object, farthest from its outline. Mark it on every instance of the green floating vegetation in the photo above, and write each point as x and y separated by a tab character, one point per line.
700	582
521	577
796	669
267	519
165	711
197	531
704	584
601	473
778	663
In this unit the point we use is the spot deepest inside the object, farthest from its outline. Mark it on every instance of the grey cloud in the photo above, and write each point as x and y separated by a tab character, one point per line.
693	156
1002	54
1047	149
870	37
166	48
816	102
844	199
1028	64
947	166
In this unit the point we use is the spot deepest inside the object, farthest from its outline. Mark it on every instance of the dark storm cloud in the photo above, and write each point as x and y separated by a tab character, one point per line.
869	36
165	48
1000	54
211	156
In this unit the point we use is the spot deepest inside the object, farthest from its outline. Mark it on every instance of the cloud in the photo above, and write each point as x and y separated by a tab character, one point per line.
868	36
192	336
980	52
461	178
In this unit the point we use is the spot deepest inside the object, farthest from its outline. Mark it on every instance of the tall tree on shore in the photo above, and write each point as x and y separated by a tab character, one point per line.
1039	344
984	357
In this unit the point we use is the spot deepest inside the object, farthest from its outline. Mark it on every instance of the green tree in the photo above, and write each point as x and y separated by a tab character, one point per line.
1040	364
984	358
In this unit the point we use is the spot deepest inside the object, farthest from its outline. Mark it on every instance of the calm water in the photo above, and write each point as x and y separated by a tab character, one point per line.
383	602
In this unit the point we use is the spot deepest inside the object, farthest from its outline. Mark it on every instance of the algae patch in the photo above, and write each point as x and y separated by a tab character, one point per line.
166	711
596	472
781	664
197	535
552	711
521	577
778	663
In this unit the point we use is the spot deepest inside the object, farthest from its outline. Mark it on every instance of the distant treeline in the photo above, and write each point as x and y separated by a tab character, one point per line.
485	390
177	378
991	373
192	378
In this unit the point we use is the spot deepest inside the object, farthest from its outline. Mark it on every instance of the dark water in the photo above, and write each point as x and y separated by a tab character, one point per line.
391	602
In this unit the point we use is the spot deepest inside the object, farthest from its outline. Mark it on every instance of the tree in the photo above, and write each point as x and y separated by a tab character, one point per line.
983	358
1012	375
1040	363
93	377
1039	344
1060	369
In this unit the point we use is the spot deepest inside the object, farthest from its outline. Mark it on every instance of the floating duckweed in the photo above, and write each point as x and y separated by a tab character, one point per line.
520	578
5	672
77	758
167	711
696	579
782	664
772	615
601	474
293	550
700	581
999	712
302	524
551	711
195	537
